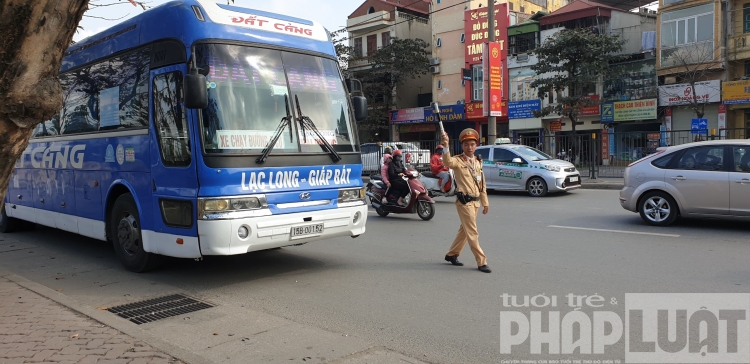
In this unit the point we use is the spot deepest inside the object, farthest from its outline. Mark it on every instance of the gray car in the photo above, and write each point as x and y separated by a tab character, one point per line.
706	179
513	167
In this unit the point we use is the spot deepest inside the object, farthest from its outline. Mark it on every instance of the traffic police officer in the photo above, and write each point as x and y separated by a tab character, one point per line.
472	190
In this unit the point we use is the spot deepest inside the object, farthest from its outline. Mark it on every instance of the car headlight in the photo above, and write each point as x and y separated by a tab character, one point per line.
239	204
352	195
551	167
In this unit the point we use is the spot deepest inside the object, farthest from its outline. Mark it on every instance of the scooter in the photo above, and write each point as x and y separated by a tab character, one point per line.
417	201
432	183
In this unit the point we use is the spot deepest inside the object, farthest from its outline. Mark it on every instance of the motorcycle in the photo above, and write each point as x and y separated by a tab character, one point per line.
432	183
417	201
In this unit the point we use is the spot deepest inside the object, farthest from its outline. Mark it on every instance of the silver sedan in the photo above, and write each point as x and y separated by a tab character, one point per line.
706	179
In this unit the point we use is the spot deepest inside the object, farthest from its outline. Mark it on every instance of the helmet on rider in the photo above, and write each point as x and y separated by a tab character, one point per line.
396	153
388	150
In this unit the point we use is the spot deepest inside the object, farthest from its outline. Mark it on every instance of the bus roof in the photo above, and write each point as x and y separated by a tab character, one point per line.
180	20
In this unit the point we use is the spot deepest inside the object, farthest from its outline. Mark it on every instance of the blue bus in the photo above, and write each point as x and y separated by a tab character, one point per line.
197	129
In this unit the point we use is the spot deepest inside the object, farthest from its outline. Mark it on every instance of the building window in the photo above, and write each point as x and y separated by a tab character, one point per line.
510	6
439	42
438	1
463	37
371	10
747	68
358	47
385	39
477	83
440	84
690	27
372	44
746	18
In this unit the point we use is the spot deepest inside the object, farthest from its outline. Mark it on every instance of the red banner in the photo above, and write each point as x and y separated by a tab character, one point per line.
605	144
493	73
476	28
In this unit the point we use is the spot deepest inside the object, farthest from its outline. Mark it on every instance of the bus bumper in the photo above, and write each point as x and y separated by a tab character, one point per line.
221	237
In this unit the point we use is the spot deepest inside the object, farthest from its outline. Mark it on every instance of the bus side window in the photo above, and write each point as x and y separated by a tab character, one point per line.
170	120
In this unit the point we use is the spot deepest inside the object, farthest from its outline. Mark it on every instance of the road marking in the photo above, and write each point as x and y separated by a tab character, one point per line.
613	231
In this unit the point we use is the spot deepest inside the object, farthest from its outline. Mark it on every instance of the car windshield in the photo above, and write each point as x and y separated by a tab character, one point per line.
247	93
531	153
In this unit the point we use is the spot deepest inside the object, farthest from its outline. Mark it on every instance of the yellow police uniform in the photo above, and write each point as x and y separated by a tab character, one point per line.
470	180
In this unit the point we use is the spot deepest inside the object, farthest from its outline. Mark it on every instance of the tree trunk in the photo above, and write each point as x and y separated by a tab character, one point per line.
33	37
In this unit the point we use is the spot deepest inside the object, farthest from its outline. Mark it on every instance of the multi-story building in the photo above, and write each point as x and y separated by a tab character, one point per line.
691	63
373	24
736	92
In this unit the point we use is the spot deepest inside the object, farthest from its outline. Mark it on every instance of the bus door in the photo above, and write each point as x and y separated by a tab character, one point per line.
173	166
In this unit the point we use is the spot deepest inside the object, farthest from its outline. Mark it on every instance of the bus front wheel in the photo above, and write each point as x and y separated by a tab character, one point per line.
125	233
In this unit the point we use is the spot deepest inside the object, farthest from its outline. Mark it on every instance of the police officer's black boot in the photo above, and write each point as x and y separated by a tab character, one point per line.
485	269
453	260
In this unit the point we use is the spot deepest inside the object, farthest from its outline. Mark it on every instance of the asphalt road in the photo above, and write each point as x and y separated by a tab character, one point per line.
391	288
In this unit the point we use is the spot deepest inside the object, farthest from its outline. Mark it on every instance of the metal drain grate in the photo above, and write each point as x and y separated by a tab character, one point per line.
158	308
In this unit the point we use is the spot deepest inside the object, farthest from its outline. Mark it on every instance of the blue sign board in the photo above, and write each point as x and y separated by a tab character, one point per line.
699	126
523	109
608	112
663	136
447	113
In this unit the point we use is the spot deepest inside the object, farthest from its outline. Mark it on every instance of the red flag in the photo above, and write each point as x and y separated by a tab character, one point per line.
133	2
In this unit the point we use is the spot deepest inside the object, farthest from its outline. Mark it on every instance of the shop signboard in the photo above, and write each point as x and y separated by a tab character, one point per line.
735	92
523	109
555	126
629	110
590	110
682	94
447	113
605	145
413	115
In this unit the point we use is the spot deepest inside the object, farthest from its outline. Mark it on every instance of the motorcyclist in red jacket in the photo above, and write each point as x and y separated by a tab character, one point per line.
438	168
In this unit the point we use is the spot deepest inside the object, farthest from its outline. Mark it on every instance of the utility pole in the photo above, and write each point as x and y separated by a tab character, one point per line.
491	121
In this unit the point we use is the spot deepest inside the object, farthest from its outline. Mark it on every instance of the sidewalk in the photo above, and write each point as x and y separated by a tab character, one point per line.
35	329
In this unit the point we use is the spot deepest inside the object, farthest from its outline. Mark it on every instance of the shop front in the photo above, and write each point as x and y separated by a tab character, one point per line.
526	128
681	99
735	97
632	130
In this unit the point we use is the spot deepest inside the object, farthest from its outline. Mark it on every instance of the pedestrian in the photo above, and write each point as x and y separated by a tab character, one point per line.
472	190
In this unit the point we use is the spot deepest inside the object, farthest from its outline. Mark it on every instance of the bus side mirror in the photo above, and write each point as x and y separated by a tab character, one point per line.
360	107
196	93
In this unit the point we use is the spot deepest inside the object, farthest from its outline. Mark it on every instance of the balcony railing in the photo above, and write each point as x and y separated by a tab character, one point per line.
738	45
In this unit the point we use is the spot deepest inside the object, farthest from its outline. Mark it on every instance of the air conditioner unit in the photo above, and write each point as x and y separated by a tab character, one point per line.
460	102
522	57
434	61
670	80
434	69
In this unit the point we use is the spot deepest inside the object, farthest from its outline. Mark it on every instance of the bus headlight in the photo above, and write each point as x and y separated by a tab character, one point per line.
352	196
211	208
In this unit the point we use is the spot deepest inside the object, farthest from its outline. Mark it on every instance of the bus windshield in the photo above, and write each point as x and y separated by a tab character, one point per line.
247	93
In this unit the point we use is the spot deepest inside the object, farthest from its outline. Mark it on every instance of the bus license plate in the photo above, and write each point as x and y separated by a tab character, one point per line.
306	230
574	179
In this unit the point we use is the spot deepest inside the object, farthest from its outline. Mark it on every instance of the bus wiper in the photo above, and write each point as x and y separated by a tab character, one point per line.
307	123
286	121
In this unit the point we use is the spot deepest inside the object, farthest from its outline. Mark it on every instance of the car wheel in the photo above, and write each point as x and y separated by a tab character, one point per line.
536	187
658	209
127	238
381	212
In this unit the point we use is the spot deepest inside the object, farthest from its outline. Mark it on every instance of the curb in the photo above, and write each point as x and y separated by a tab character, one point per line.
108	319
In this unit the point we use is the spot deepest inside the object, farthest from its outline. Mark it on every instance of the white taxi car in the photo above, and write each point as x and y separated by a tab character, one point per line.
513	167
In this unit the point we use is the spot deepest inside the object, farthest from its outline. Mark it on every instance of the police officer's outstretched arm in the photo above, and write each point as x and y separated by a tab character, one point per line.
447	159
